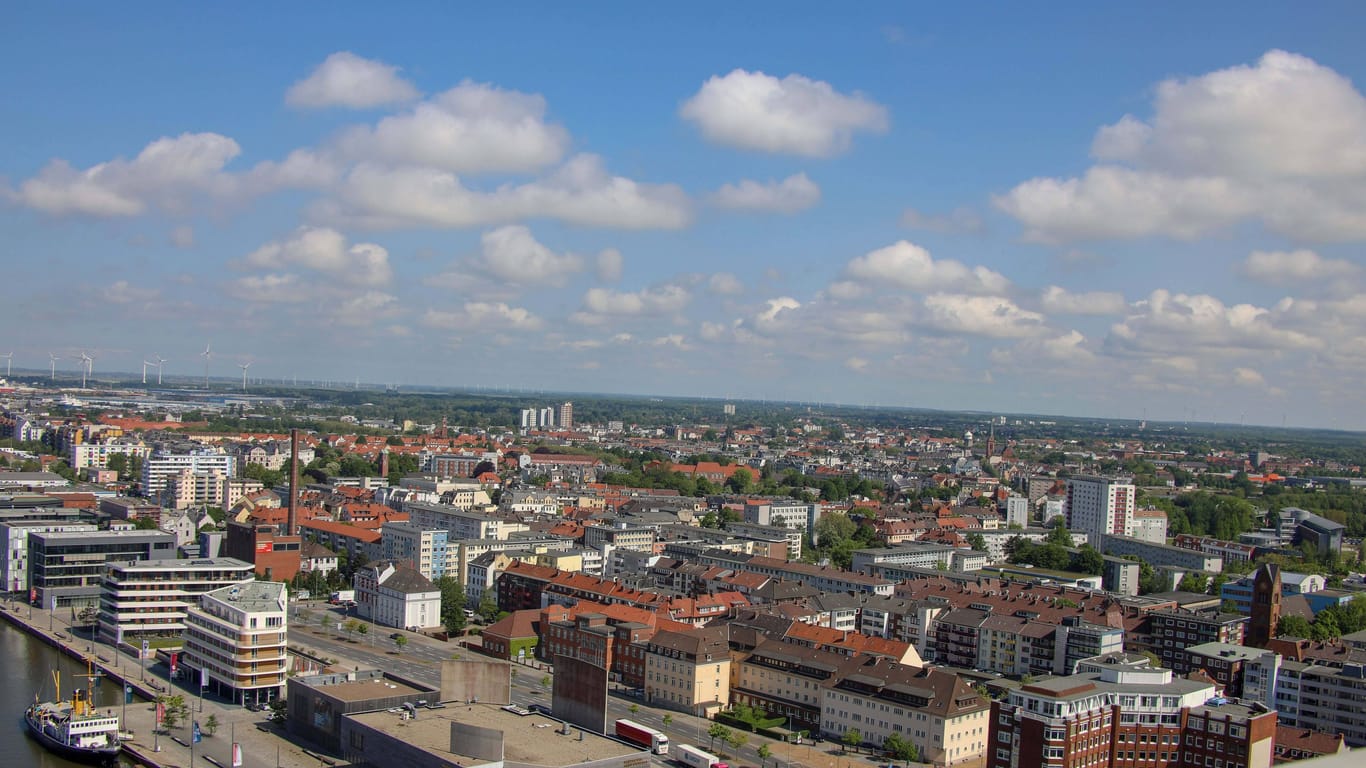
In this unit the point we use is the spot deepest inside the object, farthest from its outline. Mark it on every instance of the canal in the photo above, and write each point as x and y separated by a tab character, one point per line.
26	666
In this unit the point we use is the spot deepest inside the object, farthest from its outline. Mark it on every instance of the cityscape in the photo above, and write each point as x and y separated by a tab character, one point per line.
715	386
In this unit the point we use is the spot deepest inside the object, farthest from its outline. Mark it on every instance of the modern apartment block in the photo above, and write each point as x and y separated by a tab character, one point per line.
460	523
789	514
1101	506
87	455
14	539
1171	633
150	599
1324	696
422	548
66	568
236	641
1120	712
160	466
1162	555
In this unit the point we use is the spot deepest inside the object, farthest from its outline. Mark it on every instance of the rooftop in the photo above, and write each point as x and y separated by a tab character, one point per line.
529	739
363	690
252	596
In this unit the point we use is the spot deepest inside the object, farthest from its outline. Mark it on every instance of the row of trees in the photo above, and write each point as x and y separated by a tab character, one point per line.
1331	622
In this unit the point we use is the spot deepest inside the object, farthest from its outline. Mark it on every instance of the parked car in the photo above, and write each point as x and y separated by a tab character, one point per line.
395	635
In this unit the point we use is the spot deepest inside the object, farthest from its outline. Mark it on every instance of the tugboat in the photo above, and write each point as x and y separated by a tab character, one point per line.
74	729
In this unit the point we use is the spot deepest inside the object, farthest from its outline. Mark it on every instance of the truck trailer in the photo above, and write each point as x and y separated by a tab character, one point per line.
644	736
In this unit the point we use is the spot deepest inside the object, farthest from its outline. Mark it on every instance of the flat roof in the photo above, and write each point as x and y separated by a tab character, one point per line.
363	690
534	739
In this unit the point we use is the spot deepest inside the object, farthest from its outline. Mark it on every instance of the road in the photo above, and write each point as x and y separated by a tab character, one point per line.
420	661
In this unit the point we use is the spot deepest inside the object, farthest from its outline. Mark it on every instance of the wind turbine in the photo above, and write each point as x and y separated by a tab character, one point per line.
160	362
244	367
206	354
53	358
145	363
9	358
87	361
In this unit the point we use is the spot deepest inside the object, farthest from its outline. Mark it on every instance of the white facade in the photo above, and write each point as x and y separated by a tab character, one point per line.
87	455
1150	525
1101	506
1017	511
151	598
397	596
14	536
158	468
238	636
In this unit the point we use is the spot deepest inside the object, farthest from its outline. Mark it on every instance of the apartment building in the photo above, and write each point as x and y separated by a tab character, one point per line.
422	548
823	578
620	535
612	637
790	536
1162	555
785	680
789	514
1325	691
14	539
1171	633
937	711
912	554
461	523
1241	671
191	489
1120	712
97	455
688	670
396	595
1100	506
161	465
150	599
1150	525
236	642
66	568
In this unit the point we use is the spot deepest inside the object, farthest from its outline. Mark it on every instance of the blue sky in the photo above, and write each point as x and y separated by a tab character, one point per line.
1077	209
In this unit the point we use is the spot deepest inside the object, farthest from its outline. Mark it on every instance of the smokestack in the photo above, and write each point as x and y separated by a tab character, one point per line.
293	520
384	463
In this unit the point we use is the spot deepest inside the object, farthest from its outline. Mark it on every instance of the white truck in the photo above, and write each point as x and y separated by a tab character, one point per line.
695	758
342	596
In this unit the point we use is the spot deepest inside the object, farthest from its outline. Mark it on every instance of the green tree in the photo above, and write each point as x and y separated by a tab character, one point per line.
350	626
976	541
1059	534
1294	626
400	643
667	720
211	725
852	738
453	603
717	731
737	741
1089	560
363	629
488	605
765	752
633	709
1195	581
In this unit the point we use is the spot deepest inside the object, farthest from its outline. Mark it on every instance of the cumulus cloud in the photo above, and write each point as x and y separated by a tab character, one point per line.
513	255
162	173
1278	266
1167	321
324	250
990	316
659	300
580	192
347	80
1248	377
794	115
1283	142
1058	300
725	284
959	221
268	289
771	317
123	292
907	265
793	194
856	364
471	128
479	315
182	237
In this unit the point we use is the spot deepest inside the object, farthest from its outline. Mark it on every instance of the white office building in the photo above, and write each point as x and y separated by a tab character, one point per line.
14	537
159	468
150	599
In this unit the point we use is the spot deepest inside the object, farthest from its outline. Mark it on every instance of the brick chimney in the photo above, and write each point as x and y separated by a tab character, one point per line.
292	522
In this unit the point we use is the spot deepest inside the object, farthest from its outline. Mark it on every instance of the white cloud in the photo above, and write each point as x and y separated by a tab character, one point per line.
182	237
268	289
347	80
1166	321
162	173
580	192
472	128
513	255
1277	266
959	221
325	250
609	265
660	300
793	194
674	340
856	364
1058	300
1283	142
1248	377
990	316
123	292
725	284
478	315
772	316
794	115
906	265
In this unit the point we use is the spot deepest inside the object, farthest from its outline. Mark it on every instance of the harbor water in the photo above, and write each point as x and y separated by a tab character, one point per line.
26	666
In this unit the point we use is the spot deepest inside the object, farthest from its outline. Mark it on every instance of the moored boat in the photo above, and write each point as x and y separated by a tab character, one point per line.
74	728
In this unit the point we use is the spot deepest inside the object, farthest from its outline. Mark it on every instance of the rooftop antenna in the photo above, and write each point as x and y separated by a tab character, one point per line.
9	358
160	362
244	367
206	354
53	358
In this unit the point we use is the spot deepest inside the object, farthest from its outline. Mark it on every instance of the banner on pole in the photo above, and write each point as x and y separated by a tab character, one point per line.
161	712
203	677
127	694
198	737
236	755
175	662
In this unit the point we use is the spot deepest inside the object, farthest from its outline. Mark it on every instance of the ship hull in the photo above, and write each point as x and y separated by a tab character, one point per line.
99	756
